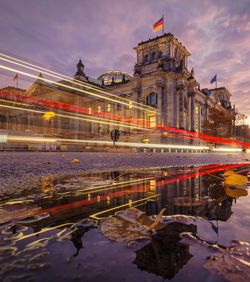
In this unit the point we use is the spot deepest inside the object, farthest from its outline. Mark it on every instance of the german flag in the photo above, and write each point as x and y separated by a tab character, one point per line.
158	25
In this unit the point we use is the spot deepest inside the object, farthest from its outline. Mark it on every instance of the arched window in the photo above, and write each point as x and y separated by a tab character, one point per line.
151	99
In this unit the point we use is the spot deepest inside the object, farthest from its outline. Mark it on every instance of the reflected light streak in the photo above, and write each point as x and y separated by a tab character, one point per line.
112	186
169	181
95	215
200	172
43	231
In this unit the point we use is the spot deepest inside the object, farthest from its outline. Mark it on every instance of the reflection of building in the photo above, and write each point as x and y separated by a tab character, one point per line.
165	255
161	81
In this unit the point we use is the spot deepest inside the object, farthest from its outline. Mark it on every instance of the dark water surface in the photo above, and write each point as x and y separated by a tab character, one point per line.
54	234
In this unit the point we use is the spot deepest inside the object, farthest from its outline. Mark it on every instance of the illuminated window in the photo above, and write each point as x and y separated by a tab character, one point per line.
130	105
152	121
99	109
108	108
151	99
90	110
152	185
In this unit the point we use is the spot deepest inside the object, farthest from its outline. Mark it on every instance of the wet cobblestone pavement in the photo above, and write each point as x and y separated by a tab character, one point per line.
95	219
20	171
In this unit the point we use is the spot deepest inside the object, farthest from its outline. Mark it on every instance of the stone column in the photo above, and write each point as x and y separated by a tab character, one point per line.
199	118
136	113
175	107
170	102
206	111
165	104
192	97
180	87
181	110
159	86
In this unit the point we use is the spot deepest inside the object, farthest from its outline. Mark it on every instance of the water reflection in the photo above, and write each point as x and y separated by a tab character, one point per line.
165	255
63	210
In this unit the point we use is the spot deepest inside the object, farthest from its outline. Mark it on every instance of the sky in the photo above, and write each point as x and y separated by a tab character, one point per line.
103	33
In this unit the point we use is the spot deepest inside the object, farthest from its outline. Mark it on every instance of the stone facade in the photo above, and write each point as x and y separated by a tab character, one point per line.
161	82
161	70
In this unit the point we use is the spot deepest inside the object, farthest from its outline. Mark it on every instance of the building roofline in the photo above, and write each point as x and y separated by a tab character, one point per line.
156	38
218	88
170	35
13	88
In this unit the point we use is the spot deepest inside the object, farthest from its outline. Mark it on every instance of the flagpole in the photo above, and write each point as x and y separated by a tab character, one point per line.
216	82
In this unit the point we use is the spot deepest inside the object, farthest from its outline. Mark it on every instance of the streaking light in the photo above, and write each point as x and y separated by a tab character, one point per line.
76	117
227	149
3	138
108	143
140	107
31	139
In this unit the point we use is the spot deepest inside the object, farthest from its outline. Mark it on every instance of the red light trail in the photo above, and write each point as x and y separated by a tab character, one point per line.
204	170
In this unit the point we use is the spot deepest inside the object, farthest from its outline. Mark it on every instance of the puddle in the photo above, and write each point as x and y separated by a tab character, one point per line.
100	226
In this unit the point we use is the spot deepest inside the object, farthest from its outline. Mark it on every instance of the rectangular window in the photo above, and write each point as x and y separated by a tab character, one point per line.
118	106
90	110
130	105
108	108
152	121
152	185
99	109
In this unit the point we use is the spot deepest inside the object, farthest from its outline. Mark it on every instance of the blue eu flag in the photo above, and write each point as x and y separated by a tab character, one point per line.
214	79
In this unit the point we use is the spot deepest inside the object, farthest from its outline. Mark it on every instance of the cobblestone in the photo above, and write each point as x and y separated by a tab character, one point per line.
21	171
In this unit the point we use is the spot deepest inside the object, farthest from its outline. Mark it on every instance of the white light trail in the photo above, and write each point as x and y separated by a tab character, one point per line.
103	142
68	79
138	145
90	118
227	149
3	138
87	119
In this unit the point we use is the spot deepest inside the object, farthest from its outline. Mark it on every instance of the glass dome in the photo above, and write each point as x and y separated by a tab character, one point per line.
114	77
